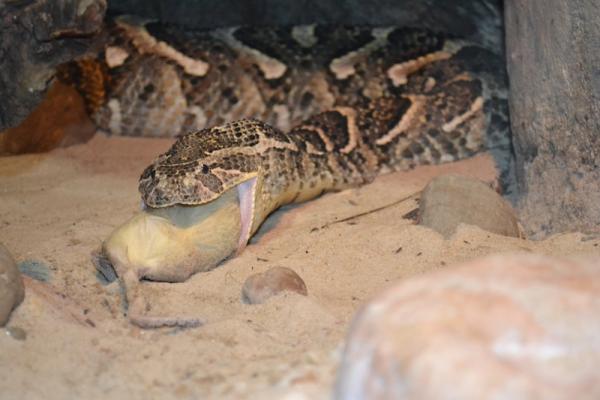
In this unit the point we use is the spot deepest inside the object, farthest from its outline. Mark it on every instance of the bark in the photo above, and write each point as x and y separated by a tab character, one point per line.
35	36
553	55
59	120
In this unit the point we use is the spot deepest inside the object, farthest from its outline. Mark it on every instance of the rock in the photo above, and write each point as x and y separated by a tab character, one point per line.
35	269
12	290
450	200
260	287
503	327
16	333
105	272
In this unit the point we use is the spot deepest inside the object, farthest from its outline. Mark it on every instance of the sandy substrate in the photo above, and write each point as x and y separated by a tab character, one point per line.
56	208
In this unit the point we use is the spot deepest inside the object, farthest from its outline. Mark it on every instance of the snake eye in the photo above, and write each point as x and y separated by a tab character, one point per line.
205	169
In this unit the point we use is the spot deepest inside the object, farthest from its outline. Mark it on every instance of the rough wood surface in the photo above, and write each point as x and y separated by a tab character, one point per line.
35	36
59	120
553	52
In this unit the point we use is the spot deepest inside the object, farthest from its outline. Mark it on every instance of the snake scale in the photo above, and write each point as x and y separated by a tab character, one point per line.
283	114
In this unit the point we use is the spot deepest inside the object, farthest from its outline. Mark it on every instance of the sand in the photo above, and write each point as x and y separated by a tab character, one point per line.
56	208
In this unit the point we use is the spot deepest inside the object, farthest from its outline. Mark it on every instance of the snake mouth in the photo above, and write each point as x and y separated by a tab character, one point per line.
159	187
246	195
171	243
247	200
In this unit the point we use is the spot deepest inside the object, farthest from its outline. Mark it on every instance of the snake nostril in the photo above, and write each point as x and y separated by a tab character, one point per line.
205	169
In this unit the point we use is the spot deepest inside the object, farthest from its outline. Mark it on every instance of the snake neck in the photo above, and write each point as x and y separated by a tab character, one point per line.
346	147
330	151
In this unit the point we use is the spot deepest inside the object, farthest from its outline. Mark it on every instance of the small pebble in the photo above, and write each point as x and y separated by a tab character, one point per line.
16	333
105	271
12	290
35	269
260	287
451	200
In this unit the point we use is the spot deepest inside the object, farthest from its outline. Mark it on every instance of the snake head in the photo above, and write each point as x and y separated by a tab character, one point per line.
202	165
189	183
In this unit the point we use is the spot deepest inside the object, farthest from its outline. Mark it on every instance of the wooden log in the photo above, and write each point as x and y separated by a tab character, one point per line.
553	56
59	120
35	36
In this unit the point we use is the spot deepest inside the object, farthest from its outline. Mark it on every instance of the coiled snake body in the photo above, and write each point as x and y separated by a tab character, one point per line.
315	108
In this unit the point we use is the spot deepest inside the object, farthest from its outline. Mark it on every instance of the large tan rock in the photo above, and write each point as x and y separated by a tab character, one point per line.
12	291
503	327
450	200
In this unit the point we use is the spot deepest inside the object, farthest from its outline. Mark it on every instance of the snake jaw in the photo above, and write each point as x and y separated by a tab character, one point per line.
246	197
169	244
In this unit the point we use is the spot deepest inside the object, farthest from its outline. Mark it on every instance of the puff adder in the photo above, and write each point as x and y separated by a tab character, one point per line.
314	109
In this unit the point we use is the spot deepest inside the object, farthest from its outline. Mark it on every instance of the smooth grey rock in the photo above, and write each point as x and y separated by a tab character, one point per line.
12	290
16	333
35	269
450	200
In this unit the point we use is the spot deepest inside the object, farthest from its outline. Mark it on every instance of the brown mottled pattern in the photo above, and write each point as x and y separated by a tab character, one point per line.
150	94
318	108
91	78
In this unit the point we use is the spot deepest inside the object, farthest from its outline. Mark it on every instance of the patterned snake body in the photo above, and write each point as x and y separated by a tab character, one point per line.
362	101
157	80
315	108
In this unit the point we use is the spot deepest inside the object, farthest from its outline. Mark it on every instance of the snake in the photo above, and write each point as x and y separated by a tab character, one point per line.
267	116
